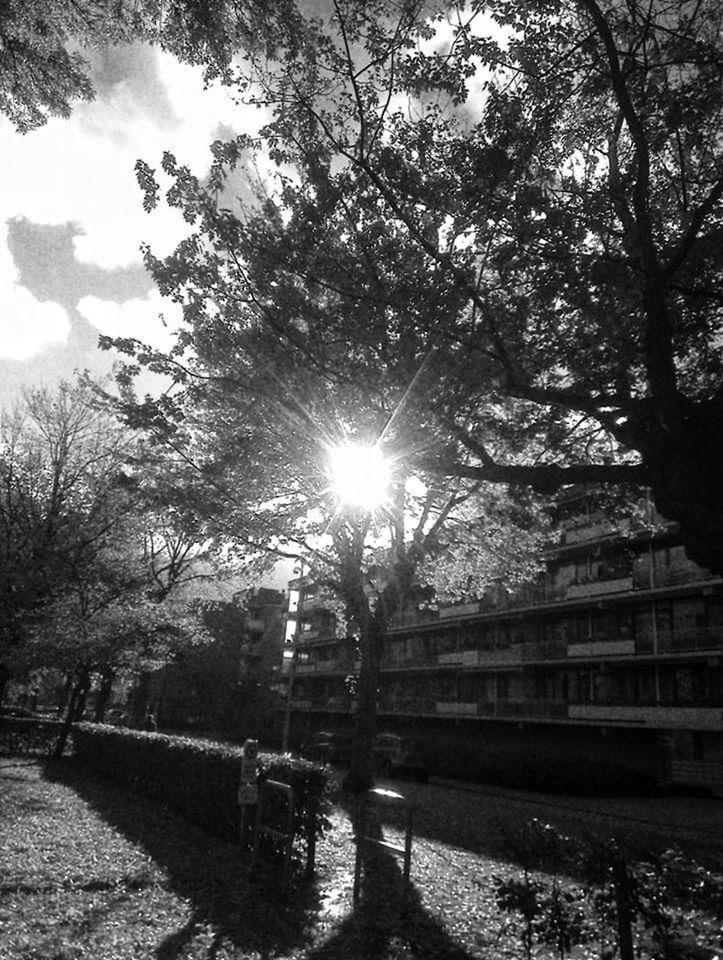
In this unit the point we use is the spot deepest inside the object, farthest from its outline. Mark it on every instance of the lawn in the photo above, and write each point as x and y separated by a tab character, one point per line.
91	871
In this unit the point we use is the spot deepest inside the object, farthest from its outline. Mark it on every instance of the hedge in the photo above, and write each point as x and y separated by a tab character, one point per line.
20	735
199	779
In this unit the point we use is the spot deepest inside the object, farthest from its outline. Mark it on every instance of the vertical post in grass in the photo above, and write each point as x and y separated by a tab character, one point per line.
621	881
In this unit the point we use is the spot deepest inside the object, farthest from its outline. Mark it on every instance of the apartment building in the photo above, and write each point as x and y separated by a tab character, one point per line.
612	659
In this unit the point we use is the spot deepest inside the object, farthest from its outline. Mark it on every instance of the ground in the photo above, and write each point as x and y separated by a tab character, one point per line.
91	871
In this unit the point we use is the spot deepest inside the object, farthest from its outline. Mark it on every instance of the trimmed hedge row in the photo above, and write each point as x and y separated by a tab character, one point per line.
26	735
199	779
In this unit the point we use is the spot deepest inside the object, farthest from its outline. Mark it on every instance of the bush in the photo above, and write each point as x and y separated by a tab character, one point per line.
200	779
22	735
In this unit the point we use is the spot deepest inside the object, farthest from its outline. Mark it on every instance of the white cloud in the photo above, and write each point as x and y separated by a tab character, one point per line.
27	325
137	318
81	170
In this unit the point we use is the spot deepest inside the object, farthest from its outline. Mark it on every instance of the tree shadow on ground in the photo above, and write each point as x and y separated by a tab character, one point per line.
489	823
250	916
389	919
208	873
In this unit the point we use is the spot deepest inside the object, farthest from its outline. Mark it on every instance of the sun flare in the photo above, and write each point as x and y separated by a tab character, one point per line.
360	476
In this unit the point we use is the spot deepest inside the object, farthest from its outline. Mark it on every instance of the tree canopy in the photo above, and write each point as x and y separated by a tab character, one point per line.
87	565
249	430
42	68
516	208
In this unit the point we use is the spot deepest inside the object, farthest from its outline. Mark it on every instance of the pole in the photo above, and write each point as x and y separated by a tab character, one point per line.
292	666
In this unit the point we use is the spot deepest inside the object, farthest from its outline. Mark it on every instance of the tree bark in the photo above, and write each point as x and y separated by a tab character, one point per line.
106	688
361	772
76	705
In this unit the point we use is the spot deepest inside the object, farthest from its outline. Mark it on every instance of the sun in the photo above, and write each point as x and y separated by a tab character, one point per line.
360	476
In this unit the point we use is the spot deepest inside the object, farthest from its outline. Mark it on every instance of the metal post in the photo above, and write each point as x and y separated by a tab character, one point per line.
286	835
363	839
292	666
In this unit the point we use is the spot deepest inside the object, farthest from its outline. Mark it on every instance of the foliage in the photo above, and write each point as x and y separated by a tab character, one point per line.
261	395
514	210
86	565
43	72
200	779
21	735
59	461
661	890
76	846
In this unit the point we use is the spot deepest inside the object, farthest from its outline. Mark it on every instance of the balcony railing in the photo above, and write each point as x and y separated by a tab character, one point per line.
597	588
669	577
681	641
456	708
552	709
671	717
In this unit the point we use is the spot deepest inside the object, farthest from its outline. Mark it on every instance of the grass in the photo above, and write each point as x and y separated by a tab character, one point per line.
91	871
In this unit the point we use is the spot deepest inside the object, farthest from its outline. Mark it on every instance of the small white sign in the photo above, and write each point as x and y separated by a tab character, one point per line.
248	793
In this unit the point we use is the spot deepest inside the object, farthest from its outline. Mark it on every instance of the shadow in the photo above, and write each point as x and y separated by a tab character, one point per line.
206	872
209	874
487	822
387	921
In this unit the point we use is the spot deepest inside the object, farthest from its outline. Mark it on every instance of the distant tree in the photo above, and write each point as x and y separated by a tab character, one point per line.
42	69
106	623
88	566
524	202
59	466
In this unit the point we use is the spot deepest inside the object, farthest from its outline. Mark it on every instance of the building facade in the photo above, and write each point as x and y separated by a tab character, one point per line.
610	663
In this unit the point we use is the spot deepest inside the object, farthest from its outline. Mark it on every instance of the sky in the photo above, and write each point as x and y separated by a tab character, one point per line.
72	220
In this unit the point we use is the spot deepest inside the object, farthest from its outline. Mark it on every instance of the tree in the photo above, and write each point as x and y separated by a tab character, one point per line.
522	202
59	463
42	71
255	420
88	566
106	623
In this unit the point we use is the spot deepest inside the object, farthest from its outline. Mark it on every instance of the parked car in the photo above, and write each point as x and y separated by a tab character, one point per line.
328	747
398	756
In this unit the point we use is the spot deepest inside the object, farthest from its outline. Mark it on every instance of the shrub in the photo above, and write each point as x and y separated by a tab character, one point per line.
23	735
199	779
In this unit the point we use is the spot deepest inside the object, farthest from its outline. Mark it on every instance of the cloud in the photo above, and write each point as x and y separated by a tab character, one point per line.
81	170
27	325
137	318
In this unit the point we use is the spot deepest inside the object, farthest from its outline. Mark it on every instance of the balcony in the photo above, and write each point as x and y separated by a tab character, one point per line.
452	657
670	717
602	648
455	709
459	610
543	650
530	709
669	576
597	588
701	638
591	528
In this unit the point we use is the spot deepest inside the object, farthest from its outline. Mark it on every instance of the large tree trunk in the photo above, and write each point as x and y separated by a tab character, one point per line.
361	772
76	706
686	469
106	688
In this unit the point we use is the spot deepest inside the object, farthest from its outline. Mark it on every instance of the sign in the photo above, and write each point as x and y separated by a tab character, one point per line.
250	762
248	793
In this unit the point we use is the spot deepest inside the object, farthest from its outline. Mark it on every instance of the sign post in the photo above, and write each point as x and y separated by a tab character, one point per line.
248	791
